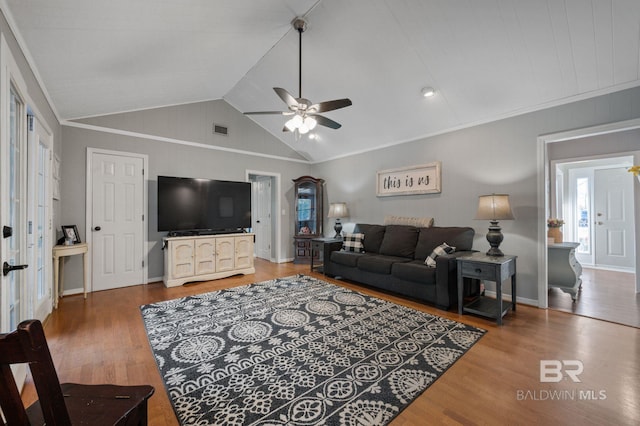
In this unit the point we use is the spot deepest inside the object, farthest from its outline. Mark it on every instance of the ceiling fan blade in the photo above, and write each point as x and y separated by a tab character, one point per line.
268	112
286	97
330	105
327	122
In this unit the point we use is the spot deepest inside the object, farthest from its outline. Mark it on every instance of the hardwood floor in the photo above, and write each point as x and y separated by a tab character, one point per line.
605	295
103	340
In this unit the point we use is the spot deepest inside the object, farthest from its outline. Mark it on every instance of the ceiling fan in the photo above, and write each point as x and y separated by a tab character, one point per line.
305	114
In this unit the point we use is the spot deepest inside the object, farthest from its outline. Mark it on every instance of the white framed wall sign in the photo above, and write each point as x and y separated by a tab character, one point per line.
413	180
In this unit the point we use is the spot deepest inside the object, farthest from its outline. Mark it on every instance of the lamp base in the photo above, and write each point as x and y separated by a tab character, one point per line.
338	228
495	237
495	252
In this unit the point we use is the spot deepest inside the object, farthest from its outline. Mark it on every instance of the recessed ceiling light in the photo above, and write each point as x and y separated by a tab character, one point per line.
428	92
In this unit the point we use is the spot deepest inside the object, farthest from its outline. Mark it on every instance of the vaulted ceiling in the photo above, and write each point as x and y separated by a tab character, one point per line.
487	59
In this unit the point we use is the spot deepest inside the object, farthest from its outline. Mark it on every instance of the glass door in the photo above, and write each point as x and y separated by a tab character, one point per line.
13	215
39	241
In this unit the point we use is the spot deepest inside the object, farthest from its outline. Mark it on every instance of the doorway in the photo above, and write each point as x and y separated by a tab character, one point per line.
615	147
265	217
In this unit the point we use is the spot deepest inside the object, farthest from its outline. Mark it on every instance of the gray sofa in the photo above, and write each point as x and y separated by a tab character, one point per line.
394	260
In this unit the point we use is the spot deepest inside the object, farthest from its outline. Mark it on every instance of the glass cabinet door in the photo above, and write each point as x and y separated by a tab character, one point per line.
308	219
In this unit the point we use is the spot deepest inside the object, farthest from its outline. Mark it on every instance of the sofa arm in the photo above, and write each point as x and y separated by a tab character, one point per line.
447	278
328	249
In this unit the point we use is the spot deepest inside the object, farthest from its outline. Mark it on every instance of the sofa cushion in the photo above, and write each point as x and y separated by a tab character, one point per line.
399	240
415	271
372	236
443	248
459	237
353	242
378	264
346	258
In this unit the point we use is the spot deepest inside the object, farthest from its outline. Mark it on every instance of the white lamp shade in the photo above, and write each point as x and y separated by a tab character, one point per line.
494	207
310	122
338	210
290	125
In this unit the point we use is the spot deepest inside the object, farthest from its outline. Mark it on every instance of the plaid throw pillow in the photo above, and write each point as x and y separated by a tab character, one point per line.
443	248
353	242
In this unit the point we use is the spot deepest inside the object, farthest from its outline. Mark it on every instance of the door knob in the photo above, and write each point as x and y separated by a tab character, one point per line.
6	268
599	223
97	228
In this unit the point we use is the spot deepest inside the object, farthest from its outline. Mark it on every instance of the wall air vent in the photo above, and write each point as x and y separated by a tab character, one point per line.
220	129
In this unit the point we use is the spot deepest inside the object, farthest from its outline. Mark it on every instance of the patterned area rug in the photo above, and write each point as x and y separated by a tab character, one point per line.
297	351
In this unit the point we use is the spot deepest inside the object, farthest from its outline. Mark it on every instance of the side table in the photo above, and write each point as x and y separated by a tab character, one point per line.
321	247
489	268
58	267
563	268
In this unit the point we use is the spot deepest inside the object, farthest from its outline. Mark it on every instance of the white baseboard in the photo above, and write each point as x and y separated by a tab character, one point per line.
507	297
609	268
73	291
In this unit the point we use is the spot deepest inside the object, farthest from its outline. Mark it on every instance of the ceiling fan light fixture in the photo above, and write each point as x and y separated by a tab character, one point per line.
428	92
310	122
291	124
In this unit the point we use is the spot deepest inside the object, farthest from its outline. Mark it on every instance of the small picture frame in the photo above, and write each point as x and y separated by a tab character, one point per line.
71	232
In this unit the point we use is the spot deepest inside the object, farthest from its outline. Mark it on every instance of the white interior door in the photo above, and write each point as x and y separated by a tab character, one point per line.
613	221
117	227
262	216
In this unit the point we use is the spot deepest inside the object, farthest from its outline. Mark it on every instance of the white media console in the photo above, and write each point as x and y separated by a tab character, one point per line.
206	257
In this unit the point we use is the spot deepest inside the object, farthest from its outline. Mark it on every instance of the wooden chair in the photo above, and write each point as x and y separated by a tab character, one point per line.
66	404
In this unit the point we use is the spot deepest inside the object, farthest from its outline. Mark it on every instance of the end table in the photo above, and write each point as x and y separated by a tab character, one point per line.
489	268
321	247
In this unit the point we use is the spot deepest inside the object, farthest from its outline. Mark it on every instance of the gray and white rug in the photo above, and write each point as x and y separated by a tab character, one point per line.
297	351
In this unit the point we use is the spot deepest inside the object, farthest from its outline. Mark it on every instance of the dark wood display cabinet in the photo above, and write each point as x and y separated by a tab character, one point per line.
308	216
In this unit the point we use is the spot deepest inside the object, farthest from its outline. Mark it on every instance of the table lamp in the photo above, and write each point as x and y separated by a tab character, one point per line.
493	208
337	211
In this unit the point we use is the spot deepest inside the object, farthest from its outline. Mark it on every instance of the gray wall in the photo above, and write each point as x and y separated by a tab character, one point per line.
164	159
498	157
194	123
611	143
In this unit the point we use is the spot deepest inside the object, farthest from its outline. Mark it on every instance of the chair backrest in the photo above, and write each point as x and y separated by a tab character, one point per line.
28	345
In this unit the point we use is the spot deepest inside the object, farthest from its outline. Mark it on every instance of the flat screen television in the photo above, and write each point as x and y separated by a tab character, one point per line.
188	204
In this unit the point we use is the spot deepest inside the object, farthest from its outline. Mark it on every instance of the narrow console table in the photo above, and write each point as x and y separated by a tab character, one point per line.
564	270
206	257
59	252
489	268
